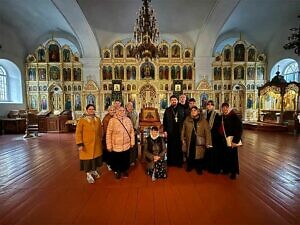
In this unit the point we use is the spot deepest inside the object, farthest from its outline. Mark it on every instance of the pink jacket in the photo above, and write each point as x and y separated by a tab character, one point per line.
117	138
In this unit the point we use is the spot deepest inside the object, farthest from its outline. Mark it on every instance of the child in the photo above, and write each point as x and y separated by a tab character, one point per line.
155	152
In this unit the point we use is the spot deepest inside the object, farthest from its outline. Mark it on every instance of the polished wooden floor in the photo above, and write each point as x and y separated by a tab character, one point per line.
40	183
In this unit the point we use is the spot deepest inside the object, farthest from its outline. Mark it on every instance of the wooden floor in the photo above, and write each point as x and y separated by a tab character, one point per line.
40	183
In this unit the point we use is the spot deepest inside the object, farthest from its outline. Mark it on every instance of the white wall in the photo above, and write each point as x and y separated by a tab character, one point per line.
12	50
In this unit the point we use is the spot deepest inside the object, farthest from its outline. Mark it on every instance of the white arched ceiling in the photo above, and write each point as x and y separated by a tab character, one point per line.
80	26
198	24
32	19
114	20
214	23
264	24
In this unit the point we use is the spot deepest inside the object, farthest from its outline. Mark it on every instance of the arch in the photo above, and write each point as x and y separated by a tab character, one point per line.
91	86
223	45
55	87
86	39
219	14
118	50
13	82
282	66
163	51
3	84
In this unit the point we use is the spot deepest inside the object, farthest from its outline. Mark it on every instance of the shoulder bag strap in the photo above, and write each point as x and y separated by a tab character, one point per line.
194	128
124	128
223	127
212	119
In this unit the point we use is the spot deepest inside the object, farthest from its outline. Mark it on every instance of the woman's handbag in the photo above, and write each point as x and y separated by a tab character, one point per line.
229	142
200	152
230	138
184	147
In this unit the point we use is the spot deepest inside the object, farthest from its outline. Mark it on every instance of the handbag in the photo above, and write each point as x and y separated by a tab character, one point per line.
200	152
230	138
229	142
184	147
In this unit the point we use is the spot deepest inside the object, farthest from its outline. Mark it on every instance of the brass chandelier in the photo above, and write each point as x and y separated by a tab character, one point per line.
294	40
146	33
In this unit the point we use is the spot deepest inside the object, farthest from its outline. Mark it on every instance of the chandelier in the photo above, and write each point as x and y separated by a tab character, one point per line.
146	33
294	40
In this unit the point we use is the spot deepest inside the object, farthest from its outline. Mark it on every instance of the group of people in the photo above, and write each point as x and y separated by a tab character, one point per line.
112	140
199	137
194	137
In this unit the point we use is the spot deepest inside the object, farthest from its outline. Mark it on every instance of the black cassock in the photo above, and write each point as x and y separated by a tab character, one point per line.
233	127
173	121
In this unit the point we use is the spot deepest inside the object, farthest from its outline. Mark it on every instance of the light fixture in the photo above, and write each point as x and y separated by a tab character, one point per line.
294	40
146	33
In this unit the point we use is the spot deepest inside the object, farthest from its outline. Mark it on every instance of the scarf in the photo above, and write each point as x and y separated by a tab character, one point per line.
212	118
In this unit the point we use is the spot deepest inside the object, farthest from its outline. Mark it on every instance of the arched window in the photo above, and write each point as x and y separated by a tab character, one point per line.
10	82
221	45
291	72
288	68
3	84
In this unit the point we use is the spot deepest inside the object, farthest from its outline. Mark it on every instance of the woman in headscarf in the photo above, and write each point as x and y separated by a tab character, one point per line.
195	127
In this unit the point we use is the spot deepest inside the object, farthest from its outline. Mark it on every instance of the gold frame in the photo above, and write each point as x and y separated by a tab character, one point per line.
149	114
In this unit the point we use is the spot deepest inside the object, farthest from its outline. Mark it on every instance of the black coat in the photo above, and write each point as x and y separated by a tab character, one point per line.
233	126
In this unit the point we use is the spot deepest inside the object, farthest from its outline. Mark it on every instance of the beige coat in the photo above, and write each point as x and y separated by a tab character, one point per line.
201	130
89	134
117	138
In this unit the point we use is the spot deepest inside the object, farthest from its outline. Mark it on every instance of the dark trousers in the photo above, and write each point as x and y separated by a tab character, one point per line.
198	164
174	150
120	161
213	159
231	162
106	154
134	151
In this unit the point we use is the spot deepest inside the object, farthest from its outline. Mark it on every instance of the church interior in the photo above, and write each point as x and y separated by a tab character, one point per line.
58	56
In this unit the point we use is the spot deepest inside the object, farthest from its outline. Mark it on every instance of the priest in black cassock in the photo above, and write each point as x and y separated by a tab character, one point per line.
172	122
